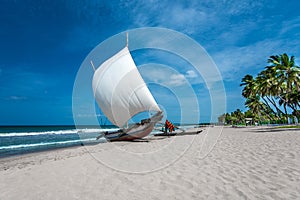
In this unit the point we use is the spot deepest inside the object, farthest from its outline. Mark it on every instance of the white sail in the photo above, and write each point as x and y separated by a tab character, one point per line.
120	90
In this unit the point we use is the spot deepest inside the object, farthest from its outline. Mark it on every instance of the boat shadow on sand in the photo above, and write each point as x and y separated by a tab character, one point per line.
160	136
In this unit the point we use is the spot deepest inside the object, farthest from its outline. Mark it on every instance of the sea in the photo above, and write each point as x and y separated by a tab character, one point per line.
17	140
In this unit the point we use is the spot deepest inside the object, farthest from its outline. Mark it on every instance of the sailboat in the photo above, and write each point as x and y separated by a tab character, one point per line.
121	93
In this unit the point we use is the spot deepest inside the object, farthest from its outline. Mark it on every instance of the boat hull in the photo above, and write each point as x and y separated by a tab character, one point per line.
192	131
136	131
130	135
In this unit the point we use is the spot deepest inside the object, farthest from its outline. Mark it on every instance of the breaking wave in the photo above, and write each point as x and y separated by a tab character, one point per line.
56	132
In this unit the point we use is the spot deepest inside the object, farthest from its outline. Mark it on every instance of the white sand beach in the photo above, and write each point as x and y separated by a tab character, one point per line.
219	163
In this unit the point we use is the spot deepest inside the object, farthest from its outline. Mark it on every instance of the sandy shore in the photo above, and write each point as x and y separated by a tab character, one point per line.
219	163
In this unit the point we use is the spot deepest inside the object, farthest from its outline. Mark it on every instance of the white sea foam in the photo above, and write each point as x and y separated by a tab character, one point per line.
44	144
58	132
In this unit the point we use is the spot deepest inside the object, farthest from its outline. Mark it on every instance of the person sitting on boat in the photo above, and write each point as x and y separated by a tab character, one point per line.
166	127
170	126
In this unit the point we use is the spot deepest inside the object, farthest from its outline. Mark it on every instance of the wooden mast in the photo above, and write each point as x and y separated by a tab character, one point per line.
93	65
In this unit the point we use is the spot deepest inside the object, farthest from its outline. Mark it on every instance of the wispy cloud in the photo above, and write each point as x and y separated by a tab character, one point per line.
191	74
183	17
167	76
230	30
234	61
290	26
176	80
190	17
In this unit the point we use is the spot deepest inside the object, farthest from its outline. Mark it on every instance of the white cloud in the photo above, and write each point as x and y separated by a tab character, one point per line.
167	75
243	7
162	74
194	17
183	19
176	80
191	74
234	61
289	25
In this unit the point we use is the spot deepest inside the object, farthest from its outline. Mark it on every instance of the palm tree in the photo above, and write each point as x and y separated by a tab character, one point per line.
277	86
267	89
249	86
258	108
287	78
292	100
286	70
256	89
228	118
239	116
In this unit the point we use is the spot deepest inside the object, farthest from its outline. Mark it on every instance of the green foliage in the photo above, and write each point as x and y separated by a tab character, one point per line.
274	89
233	118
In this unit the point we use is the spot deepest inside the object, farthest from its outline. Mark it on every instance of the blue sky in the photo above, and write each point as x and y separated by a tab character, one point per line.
43	44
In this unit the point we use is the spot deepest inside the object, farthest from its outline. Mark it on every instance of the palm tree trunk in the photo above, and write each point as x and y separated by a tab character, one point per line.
267	104
294	108
270	117
286	115
279	112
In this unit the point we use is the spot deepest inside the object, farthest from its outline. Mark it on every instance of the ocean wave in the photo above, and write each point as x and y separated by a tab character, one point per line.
58	132
19	146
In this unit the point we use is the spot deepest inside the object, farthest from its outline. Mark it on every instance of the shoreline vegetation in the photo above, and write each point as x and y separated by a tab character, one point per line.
272	97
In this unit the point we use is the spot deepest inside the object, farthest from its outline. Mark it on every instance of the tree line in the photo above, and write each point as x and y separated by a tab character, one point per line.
273	95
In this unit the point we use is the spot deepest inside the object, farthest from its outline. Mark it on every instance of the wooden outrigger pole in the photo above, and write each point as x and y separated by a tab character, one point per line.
93	65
